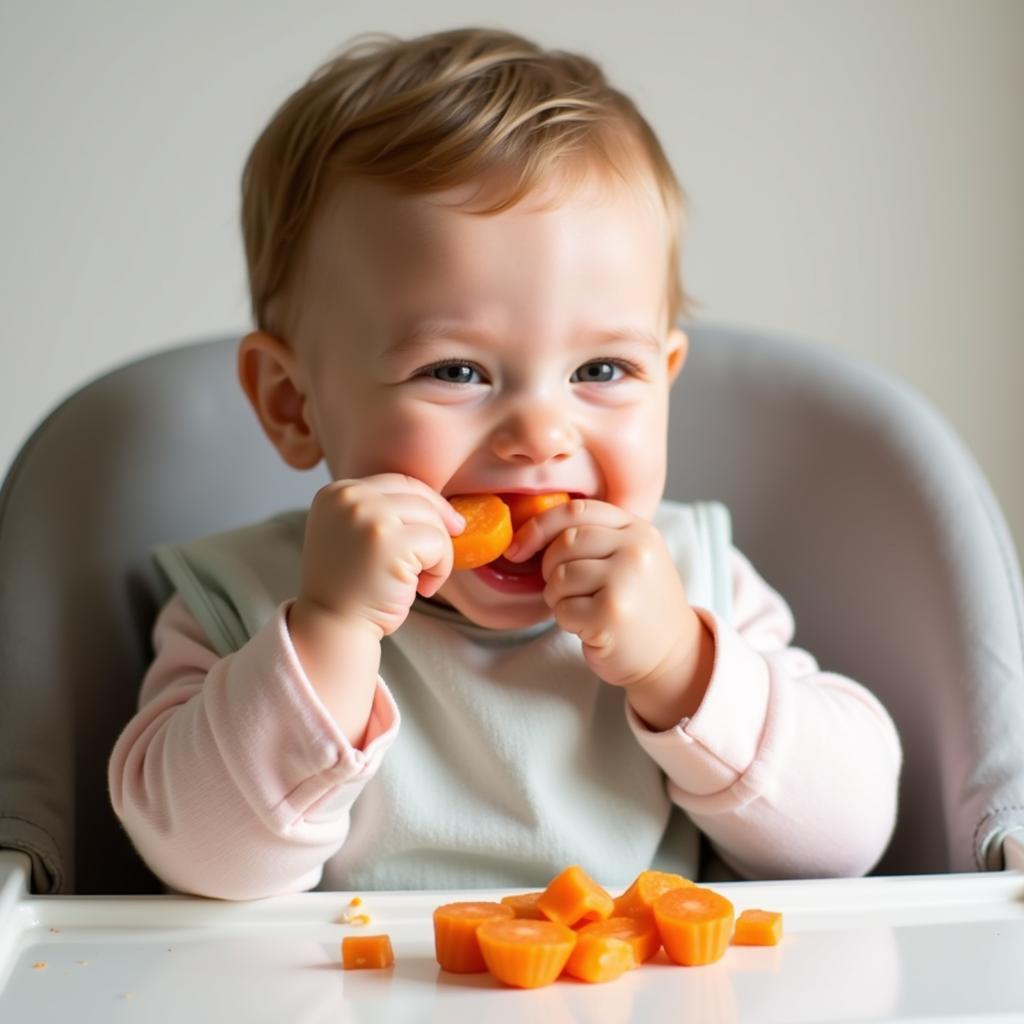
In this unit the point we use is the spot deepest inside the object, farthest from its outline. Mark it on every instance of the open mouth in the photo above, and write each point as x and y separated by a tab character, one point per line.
513	577
517	577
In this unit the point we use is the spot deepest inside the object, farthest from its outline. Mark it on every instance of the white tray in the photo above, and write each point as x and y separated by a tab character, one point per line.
906	948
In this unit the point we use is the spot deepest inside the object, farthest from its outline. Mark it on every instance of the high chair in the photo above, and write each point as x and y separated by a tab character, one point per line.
849	493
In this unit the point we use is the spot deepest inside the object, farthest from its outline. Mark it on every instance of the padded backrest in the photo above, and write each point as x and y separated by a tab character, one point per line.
166	447
859	504
848	493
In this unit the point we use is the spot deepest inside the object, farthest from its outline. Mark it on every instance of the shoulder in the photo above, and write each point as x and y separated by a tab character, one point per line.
685	522
281	532
233	580
698	536
283	526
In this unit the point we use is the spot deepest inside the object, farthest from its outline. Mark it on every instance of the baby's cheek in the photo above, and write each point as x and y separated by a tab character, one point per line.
633	467
410	446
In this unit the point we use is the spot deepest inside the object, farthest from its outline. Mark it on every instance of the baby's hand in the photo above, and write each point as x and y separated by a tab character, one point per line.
611	580
371	545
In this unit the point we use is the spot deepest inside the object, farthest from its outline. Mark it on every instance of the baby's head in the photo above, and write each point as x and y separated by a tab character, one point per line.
463	256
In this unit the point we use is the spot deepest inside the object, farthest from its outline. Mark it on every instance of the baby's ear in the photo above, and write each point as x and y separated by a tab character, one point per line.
269	374
676	352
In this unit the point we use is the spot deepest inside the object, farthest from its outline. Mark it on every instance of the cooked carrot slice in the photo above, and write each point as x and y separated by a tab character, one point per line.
526	506
758	928
695	924
640	932
638	899
488	530
574	896
597	957
366	951
455	928
525	905
526	954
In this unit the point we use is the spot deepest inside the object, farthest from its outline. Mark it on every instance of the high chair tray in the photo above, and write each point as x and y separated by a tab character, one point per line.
894	948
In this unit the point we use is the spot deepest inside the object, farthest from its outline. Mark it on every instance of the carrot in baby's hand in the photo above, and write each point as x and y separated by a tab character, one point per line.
597	957
525	506
695	924
525	905
638	899
366	951
758	928
574	896
640	932
455	934
488	530
523	953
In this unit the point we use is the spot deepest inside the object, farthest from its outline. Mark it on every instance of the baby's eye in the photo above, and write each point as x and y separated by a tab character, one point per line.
600	371
454	373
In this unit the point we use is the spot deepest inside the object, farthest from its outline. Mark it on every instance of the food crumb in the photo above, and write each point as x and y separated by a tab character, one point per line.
82	962
55	931
356	901
357	919
39	965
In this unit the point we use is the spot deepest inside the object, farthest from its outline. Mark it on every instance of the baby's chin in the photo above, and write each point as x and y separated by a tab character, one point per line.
492	611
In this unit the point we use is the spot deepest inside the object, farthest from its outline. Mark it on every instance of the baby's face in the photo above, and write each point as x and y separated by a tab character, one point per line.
522	351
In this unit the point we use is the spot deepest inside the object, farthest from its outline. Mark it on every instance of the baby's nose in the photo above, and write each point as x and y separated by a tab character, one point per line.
540	433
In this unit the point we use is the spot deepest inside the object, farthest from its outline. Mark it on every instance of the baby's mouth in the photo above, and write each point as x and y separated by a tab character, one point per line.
513	578
531	567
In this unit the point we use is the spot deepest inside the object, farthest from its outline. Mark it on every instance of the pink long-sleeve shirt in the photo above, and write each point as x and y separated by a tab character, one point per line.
233	780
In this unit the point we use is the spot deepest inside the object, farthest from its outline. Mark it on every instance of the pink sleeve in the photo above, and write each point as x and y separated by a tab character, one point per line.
233	779
789	771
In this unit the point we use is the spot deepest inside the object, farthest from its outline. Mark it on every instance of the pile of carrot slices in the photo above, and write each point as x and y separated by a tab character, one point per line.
575	928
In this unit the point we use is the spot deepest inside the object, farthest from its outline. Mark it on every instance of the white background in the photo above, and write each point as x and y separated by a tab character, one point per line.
855	171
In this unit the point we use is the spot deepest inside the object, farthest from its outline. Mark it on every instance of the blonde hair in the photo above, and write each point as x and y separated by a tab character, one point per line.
430	113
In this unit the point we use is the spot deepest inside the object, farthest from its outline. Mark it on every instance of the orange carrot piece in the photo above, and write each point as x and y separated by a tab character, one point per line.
596	957
758	928
640	932
695	924
525	905
455	934
366	951
526	506
638	899
488	530
523	953
574	896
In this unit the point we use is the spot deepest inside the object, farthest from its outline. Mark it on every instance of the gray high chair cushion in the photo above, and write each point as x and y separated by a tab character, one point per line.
166	447
848	492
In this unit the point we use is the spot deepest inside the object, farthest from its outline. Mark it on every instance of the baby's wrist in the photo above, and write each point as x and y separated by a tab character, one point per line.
674	691
316	617
340	657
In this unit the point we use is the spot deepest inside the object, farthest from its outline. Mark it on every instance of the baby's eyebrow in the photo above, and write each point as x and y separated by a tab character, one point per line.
426	331
642	336
432	330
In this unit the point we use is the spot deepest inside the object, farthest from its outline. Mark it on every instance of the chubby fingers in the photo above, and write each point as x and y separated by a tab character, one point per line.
433	551
427	537
407	518
580	515
400	483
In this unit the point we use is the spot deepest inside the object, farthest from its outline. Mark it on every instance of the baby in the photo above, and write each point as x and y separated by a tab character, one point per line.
463	253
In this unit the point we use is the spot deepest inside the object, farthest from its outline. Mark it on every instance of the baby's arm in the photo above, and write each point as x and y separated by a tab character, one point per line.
236	777
790	771
370	546
234	780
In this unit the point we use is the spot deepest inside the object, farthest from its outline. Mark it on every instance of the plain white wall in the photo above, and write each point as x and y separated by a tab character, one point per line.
855	173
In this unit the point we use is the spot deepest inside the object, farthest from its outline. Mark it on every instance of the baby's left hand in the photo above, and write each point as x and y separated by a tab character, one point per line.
611	581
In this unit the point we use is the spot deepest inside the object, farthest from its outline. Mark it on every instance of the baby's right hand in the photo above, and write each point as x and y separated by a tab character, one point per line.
372	544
